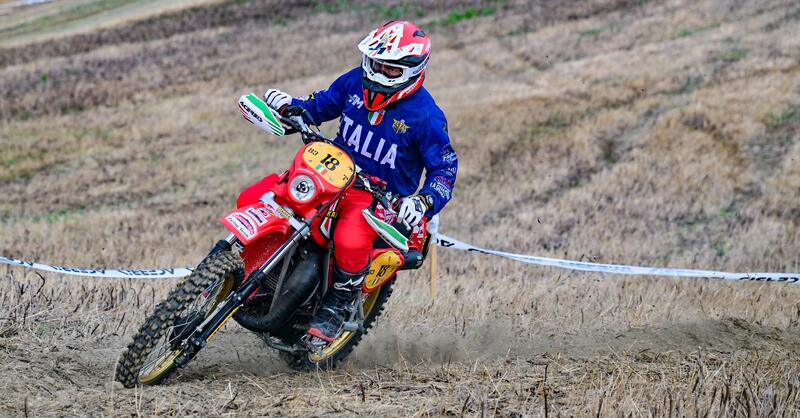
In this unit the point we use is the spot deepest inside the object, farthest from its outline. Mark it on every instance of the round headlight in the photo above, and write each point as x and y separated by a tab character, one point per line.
302	188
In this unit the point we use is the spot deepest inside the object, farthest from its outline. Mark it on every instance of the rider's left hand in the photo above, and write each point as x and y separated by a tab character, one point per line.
412	209
277	99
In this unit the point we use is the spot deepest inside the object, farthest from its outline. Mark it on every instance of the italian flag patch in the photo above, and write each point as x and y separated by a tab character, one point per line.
375	118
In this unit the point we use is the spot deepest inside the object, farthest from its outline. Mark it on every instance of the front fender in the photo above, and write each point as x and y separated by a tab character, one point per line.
252	222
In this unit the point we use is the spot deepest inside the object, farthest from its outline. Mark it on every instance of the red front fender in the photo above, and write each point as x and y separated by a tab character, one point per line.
251	222
260	229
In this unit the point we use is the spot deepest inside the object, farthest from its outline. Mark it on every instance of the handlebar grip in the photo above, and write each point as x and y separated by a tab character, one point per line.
292	126
289	111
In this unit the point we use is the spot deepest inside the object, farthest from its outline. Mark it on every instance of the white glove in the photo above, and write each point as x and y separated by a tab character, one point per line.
411	210
277	99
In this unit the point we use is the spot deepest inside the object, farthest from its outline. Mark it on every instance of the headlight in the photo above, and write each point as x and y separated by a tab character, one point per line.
302	188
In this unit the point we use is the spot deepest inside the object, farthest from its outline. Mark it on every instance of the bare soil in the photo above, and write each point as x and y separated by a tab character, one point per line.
642	132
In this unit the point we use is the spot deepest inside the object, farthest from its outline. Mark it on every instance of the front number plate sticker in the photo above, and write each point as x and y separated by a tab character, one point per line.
332	164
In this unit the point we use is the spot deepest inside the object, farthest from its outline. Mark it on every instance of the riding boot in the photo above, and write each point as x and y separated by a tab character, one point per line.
337	304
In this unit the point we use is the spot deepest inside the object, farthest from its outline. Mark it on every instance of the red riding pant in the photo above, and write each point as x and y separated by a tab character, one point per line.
352	236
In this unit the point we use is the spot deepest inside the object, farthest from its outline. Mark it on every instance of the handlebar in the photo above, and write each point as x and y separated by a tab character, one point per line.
292	116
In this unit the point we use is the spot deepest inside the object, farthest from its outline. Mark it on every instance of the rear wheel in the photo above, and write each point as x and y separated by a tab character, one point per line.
150	358
339	349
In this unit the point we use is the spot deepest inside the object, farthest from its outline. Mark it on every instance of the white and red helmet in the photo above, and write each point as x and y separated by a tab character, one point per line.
402	46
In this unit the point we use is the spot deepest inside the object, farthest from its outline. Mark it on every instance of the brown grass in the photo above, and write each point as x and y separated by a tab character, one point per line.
658	133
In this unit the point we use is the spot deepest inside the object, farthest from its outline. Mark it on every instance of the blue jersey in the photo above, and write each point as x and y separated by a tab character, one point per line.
395	143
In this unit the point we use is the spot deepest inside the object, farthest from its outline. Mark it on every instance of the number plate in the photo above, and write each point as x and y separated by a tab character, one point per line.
332	164
382	269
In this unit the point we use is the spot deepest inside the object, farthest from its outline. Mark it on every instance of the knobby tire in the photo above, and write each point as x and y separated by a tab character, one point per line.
165	314
301	362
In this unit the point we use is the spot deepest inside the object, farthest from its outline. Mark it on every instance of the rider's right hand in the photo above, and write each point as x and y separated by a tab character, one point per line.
277	99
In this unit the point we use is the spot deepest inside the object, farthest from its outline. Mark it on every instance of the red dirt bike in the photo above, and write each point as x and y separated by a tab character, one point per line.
271	272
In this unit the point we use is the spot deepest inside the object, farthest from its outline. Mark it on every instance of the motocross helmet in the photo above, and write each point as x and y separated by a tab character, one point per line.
393	63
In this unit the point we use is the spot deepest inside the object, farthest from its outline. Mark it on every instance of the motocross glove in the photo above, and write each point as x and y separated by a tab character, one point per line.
277	99
412	209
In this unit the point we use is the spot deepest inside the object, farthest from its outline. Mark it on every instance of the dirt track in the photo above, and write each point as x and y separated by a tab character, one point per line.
655	133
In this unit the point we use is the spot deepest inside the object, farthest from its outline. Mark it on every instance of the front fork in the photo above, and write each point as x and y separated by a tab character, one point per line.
225	244
204	332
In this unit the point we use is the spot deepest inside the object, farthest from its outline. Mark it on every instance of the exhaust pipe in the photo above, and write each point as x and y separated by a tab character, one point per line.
296	289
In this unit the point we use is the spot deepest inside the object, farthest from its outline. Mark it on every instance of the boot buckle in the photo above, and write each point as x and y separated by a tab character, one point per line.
351	326
355	321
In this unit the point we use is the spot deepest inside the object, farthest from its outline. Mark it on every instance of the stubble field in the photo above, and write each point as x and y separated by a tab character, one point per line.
657	133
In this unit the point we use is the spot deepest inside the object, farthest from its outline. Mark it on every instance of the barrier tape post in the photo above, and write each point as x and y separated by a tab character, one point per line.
432	280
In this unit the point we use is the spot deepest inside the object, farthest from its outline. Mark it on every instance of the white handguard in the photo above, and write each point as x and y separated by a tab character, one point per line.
412	209
255	111
277	99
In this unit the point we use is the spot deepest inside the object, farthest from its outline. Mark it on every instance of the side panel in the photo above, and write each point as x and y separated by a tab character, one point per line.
322	227
418	236
385	264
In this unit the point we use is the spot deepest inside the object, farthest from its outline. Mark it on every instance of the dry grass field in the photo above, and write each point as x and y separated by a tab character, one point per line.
660	133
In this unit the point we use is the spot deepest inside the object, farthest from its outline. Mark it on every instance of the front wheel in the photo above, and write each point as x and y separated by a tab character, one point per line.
337	350
150	358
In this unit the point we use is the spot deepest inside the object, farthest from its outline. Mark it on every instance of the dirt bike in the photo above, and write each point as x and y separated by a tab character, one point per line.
271	272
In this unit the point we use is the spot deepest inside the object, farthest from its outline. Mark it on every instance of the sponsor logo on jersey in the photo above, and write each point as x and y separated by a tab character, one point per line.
355	101
442	186
448	154
400	126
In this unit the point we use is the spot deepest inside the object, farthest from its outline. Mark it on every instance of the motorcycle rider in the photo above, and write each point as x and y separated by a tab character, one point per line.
393	129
